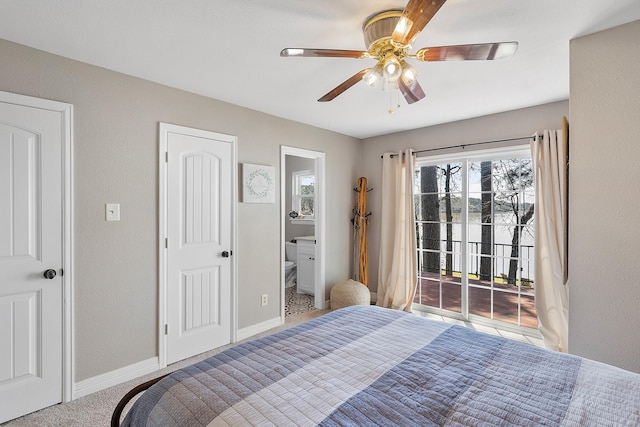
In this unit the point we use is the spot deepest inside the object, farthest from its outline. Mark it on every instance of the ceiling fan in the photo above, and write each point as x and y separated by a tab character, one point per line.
388	36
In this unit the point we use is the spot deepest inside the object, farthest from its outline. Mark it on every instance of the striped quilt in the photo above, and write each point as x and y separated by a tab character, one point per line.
365	366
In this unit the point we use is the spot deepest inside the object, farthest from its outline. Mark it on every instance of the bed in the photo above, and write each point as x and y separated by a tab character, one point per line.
365	365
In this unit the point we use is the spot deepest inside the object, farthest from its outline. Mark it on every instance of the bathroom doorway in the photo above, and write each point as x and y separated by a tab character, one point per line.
309	223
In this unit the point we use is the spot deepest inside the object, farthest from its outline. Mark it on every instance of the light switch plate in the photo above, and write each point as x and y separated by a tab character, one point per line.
112	211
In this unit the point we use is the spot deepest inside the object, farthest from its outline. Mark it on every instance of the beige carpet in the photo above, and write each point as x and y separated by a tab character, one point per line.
96	409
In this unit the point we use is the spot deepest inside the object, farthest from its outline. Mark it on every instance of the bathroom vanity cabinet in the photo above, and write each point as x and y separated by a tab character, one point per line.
306	269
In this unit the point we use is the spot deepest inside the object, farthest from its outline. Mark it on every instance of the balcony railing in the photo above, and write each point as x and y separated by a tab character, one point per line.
501	258
497	297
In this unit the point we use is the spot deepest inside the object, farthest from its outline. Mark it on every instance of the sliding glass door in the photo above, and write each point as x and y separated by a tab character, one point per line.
474	227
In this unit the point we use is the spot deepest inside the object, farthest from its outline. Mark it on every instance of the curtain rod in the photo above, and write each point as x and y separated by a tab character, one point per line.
469	145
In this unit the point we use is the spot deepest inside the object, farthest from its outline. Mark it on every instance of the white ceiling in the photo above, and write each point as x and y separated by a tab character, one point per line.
229	50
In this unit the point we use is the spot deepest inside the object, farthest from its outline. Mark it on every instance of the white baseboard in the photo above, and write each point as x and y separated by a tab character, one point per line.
109	379
258	328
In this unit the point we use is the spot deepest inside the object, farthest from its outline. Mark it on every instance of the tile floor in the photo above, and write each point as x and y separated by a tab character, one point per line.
295	303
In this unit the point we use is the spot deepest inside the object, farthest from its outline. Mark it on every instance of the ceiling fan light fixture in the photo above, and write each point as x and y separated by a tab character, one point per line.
377	28
389	36
409	74
373	76
402	29
391	68
390	85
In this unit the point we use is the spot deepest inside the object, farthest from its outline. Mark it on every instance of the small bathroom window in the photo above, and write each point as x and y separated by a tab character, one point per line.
303	194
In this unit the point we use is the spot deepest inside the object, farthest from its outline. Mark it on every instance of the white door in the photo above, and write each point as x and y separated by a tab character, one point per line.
199	240
30	244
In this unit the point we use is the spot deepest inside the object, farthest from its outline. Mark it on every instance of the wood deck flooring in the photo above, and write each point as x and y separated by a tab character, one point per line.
481	295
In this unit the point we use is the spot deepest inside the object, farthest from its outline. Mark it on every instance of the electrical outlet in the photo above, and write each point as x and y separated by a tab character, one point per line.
265	299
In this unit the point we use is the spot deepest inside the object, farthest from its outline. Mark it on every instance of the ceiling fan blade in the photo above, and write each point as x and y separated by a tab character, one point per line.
416	15
412	92
333	93
466	52
327	53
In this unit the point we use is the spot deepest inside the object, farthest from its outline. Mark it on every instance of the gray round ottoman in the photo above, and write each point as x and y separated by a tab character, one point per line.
349	293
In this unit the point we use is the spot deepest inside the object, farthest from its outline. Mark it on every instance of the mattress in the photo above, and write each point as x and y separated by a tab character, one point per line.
366	365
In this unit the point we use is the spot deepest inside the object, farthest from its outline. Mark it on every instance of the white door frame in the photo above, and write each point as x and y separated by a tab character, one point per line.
319	166
163	130
66	111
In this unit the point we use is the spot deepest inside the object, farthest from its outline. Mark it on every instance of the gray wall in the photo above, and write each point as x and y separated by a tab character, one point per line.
511	124
116	138
604	228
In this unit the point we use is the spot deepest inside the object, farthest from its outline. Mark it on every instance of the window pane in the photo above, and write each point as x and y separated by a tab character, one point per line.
450	207
451	297
528	316
449	177
480	176
428	179
506	174
482	269
428	235
451	236
306	206
527	237
450	265
428	292
307	182
303	190
528	200
505	306
504	234
480	301
474	177
527	177
429	207
475	203
431	263
501	269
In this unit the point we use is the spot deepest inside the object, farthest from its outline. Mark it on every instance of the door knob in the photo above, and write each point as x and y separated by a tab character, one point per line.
225	254
49	274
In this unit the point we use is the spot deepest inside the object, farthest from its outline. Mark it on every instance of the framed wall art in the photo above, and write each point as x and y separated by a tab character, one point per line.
258	183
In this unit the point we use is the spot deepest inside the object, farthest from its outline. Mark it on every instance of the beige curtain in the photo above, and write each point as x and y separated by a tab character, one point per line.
397	268
549	154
